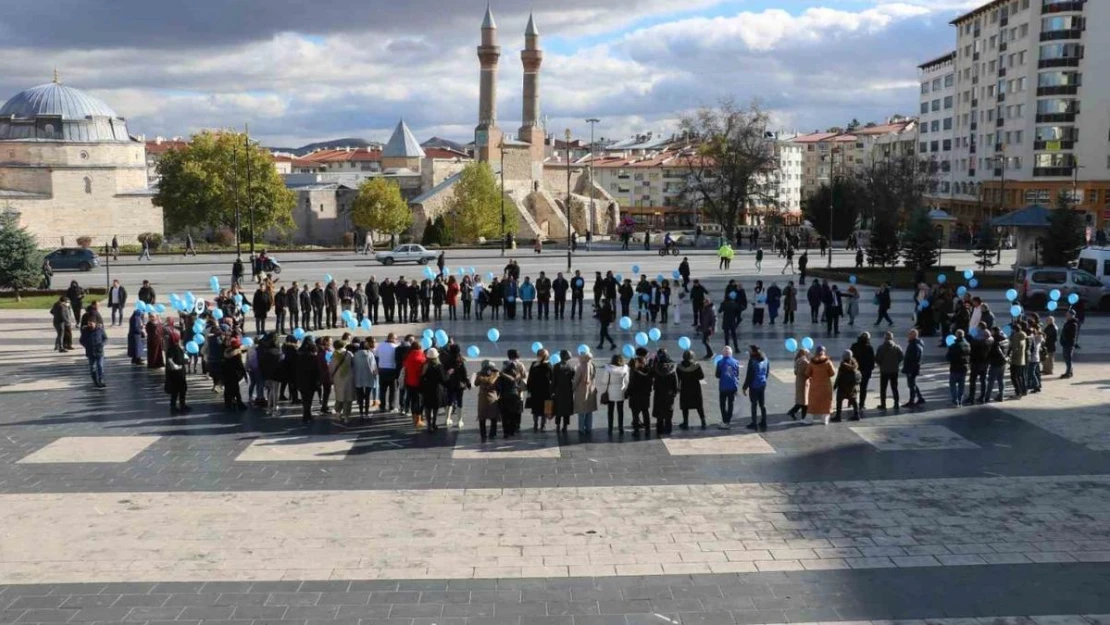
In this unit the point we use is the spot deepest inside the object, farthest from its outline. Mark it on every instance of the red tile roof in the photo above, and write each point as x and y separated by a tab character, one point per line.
816	137
163	146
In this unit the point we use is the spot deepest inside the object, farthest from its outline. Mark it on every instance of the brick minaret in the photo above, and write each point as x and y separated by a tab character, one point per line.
487	136
532	57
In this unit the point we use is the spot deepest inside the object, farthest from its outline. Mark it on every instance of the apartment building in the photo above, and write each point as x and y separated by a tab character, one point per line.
1027	125
936	124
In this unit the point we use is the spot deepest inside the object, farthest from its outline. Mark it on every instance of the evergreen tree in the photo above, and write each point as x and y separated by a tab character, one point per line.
986	250
20	258
431	233
444	231
884	249
919	242
1065	235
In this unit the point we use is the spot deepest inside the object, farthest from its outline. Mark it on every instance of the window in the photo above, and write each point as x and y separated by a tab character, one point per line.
934	146
947	145
934	106
1055	160
1061	51
947	123
924	108
1059	79
924	87
1050	277
1066	22
934	126
923	147
949	80
936	84
947	102
1052	106
1056	133
1023	31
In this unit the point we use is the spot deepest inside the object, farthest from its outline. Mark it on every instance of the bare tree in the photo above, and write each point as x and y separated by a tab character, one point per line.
733	167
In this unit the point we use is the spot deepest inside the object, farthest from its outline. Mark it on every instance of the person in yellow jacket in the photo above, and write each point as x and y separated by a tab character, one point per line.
725	253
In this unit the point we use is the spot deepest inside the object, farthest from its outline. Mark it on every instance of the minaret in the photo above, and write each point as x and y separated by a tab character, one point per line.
487	136
532	57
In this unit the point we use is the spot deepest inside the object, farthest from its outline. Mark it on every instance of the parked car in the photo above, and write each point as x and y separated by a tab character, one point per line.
1034	284
73	259
408	253
1095	261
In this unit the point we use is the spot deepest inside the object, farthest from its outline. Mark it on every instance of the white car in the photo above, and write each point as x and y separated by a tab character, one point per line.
408	253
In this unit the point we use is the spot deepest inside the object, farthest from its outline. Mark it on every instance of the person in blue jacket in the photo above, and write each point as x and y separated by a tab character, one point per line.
755	386
728	376
527	296
93	339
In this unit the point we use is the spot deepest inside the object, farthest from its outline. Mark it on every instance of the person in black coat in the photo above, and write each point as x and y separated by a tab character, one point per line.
307	376
269	364
176	384
864	354
331	304
289	371
665	386
690	375
540	385
261	304
433	389
147	294
639	391
304	301
281	300
373	298
233	372
414	301
626	294
563	390
76	296
317	302
401	292
388	291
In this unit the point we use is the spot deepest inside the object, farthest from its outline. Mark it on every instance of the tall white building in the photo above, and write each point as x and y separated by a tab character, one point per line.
936	123
1028	126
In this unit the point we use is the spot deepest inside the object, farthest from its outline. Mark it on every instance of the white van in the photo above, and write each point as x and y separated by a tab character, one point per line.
1095	261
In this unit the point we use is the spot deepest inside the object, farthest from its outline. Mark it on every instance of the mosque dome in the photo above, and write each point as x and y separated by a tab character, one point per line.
55	112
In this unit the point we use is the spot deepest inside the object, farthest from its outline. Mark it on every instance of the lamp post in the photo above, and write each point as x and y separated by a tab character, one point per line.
250	198
832	188
568	198
592	223
235	192
504	233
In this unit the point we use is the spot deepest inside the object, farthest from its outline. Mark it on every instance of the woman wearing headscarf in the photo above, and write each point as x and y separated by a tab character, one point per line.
488	409
585	392
458	381
820	374
665	385
342	372
176	382
801	384
433	388
136	331
366	377
690	376
539	390
562	391
154	356
847	385
233	372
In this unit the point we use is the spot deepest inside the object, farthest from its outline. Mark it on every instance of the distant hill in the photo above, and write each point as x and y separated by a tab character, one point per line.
332	144
439	142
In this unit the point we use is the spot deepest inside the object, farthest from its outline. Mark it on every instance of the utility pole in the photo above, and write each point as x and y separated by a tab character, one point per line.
592	223
568	199
250	198
504	233
832	189
235	192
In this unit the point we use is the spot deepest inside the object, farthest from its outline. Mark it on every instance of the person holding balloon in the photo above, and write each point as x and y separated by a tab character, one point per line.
540	384
1069	341
176	384
154	356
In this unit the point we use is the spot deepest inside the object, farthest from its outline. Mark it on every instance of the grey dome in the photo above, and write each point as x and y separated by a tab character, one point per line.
55	112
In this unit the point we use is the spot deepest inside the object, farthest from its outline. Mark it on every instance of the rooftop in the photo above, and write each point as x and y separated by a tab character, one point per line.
402	144
979	11
940	60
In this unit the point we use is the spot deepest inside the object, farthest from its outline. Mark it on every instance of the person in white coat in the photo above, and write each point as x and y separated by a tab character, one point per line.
614	387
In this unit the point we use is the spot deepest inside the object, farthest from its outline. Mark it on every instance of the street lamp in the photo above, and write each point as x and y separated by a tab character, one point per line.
235	192
250	197
832	188
568	198
592	224
504	233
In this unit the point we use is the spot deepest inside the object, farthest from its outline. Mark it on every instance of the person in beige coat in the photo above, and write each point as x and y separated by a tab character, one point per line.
488	410
820	373
801	384
342	372
585	392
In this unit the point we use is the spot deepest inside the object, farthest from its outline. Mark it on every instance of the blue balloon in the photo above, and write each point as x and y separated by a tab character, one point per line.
676	274
1073	299
641	339
347	315
473	351
973	283
968	274
160	309
328	355
473	271
1007	330
198	327
490	276
949	340
625	323
1015	311
298	333
1054	295
425	343
654	334
717	359
852	279
941	279
1052	305
493	335
214	284
192	347
555	359
684	343
446	270
462	271
619	277
238	298
807	343
248	341
140	306
962	291
536	347
645	297
791	345
628	351
510	298
441	338
428	333
659	278
327	278
366	324
583	349
217	314
352	324
923	304
198	338
635	269
732	295
245	308
1011	295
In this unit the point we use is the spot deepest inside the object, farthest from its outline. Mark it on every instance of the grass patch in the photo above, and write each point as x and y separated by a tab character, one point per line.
29	302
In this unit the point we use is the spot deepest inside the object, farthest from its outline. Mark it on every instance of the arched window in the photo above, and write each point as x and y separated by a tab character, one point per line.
88	184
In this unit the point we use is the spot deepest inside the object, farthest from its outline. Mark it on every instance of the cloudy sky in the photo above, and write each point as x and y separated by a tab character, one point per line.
309	70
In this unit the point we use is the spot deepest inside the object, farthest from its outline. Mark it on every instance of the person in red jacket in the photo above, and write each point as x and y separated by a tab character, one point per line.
452	298
414	369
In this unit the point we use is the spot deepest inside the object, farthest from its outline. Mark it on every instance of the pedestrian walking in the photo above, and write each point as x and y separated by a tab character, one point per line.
707	325
176	383
847	379
911	367
1069	339
604	320
882	300
93	339
801	386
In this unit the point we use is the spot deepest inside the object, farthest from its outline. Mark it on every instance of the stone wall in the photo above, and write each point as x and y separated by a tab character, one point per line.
319	218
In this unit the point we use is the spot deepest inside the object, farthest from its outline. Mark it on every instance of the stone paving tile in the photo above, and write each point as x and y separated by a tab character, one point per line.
85	449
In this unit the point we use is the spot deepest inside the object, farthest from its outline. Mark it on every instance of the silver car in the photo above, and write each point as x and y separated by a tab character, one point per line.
407	253
1035	284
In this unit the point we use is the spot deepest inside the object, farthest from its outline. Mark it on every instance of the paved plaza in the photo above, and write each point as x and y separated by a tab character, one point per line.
112	510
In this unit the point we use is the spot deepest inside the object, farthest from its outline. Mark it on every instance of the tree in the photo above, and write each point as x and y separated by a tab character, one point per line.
445	231
987	248
379	207
203	182
1065	236
431	234
20	258
845	197
476	206
919	242
884	248
733	167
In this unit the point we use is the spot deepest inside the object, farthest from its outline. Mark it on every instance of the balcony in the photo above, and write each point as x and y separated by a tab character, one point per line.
1064	6
1053	118
1059	35
1054	145
1058	90
1051	172
1071	61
